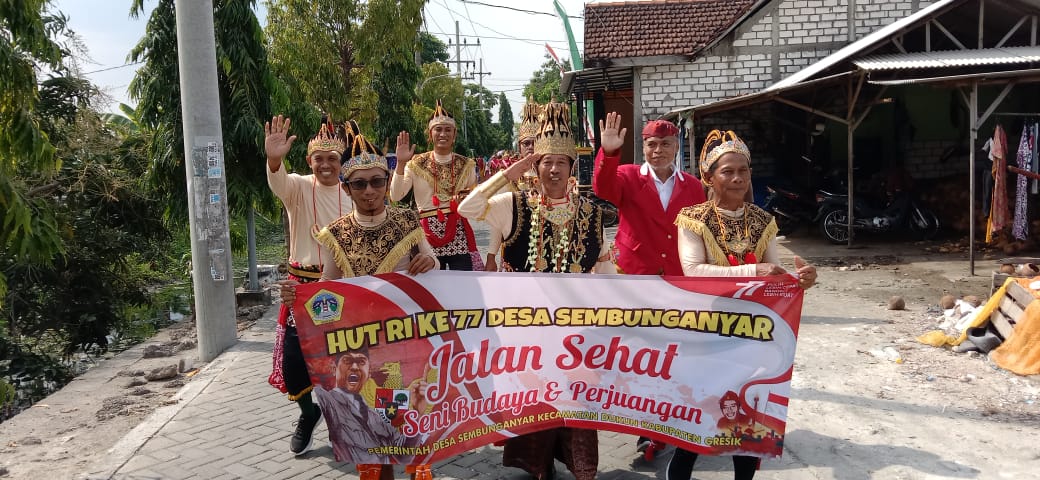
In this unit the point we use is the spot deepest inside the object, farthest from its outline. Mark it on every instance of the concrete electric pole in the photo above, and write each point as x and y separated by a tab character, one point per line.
212	278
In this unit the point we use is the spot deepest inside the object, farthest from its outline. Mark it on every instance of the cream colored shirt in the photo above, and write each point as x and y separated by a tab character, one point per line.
694	256
310	206
497	210
332	271
423	191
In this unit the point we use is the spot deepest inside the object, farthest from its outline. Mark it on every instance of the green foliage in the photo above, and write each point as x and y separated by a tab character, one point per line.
349	58
27	231
245	87
397	74
479	137
432	49
544	85
505	119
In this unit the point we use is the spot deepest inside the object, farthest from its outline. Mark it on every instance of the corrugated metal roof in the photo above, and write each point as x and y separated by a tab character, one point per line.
950	58
860	45
1030	75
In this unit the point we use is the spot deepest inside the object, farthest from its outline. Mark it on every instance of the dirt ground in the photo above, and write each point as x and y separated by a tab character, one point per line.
74	427
853	353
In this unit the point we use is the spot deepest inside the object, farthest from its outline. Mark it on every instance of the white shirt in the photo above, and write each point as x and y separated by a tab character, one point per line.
664	188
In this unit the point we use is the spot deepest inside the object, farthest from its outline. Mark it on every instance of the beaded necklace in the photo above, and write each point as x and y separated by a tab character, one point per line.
562	217
739	243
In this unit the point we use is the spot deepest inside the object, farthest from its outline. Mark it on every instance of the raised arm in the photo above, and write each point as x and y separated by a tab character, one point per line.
604	178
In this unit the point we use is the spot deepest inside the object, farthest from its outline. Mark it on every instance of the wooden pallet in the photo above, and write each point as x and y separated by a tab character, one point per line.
1011	309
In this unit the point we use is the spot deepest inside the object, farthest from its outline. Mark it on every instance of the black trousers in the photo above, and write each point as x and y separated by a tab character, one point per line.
680	467
463	262
294	367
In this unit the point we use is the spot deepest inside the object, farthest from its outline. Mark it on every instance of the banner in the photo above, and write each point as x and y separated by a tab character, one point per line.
417	369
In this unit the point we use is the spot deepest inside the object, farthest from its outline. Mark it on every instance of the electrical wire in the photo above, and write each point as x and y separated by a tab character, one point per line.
533	12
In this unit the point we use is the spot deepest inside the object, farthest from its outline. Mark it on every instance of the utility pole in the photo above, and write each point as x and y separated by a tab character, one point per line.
458	54
211	273
480	75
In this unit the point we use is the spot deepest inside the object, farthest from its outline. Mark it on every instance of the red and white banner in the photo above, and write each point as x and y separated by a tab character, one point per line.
417	369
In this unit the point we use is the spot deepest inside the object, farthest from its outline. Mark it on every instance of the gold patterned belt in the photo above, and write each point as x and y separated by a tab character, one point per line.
433	213
310	272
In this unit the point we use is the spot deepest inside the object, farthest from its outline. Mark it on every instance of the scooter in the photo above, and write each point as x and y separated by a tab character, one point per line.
790	208
902	213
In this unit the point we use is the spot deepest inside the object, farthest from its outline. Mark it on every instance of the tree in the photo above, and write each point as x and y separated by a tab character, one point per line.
395	74
367	72
245	87
479	137
544	85
27	229
505	119
432	49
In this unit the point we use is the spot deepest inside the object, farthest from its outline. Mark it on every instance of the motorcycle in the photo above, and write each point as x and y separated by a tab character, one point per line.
901	213
790	208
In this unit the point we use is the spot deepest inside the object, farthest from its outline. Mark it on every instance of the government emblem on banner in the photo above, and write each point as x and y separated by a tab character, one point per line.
392	404
325	307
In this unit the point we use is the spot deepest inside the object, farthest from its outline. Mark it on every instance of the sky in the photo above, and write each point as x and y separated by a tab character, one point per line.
512	42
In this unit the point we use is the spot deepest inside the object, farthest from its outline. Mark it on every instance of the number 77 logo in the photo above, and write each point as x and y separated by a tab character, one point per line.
748	288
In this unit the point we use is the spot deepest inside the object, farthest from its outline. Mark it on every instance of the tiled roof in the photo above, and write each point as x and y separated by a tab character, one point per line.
656	27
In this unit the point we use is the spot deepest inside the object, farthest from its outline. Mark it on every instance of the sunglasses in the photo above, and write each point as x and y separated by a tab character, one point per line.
361	184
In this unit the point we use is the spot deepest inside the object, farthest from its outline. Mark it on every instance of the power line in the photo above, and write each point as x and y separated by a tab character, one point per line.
116	67
534	12
564	42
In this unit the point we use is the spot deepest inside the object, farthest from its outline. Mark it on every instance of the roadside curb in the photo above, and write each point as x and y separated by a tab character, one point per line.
132	442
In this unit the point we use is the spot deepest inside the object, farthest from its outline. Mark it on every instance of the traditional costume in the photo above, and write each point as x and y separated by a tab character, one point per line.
716	242
436	181
309	206
367	245
528	131
547	235
646	235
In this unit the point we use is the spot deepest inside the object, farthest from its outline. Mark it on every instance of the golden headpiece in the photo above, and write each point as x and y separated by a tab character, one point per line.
326	140
554	132
362	155
440	116
719	143
529	120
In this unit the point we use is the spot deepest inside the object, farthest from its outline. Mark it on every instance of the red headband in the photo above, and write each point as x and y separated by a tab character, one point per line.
660	129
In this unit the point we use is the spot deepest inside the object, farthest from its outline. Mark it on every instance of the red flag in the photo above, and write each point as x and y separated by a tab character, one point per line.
555	57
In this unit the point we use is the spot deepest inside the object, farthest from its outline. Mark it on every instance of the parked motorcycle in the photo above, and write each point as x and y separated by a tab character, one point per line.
902	213
790	208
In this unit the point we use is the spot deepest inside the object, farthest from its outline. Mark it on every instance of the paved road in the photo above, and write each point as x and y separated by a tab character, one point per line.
229	423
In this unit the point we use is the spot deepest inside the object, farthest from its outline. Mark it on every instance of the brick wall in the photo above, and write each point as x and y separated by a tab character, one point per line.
932	159
782	38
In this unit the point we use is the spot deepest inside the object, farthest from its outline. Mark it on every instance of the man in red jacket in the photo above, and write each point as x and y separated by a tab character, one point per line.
648	198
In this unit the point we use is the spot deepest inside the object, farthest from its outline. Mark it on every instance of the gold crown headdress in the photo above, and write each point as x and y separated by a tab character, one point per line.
326	140
440	116
554	132
719	143
529	120
363	154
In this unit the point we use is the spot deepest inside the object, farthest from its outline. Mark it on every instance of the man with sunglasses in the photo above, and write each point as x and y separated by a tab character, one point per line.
311	202
372	239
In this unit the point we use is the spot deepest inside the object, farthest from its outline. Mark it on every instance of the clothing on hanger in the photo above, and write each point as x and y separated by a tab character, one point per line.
998	212
1019	225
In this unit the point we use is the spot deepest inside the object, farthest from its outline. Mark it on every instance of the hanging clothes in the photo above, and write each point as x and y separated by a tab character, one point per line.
998	212
987	180
1019	226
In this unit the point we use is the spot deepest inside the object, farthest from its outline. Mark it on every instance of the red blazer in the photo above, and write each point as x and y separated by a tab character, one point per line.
647	238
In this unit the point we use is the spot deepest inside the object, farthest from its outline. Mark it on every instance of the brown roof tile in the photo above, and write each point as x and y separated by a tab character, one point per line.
657	27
